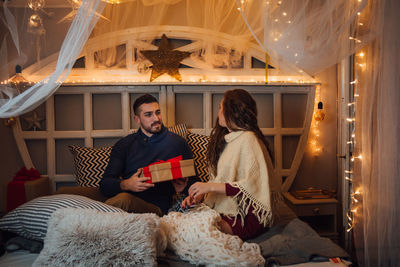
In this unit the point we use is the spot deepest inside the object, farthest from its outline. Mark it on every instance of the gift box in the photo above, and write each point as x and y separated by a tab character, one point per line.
168	170
26	185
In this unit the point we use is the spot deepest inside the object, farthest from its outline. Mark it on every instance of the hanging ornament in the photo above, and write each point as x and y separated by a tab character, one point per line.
143	68
320	113
165	60
75	5
34	121
36	5
35	25
18	82
9	122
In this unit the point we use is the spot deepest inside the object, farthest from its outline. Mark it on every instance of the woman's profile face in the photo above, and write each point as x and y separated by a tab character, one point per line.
221	117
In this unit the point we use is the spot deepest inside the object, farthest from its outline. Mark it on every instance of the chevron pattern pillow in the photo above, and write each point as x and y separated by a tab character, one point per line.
90	164
179	129
198	143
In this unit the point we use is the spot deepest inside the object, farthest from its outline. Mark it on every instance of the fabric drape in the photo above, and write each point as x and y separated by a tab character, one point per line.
376	223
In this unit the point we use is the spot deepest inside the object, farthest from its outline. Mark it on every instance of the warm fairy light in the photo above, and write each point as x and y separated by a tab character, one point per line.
284	13
354	82
361	54
355	39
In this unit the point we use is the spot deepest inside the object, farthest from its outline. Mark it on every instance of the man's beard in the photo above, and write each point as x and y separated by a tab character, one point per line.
155	131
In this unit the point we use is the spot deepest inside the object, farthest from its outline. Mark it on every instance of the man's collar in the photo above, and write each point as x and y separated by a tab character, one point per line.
155	137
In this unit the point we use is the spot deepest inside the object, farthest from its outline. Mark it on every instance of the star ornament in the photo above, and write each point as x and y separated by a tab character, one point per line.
165	60
34	122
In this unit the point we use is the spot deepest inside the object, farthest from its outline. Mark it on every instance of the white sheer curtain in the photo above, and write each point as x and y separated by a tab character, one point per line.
377	175
75	39
310	35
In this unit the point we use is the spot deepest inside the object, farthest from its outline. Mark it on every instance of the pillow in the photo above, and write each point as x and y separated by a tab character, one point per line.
198	143
30	219
179	129
90	164
93	238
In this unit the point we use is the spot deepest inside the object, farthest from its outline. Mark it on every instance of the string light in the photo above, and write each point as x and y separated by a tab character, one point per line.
355	39
354	195
318	116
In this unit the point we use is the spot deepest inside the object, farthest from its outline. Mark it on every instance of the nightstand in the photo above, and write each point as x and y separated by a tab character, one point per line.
320	214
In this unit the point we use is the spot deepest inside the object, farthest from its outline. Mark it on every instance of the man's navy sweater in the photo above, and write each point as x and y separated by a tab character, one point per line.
136	151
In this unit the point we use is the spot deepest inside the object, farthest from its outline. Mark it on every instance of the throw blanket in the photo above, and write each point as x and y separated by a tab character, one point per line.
296	243
194	237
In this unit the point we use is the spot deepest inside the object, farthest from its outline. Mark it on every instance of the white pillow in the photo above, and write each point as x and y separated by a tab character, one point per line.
93	238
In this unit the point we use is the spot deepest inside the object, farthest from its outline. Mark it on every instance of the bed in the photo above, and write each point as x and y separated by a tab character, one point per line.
83	134
290	242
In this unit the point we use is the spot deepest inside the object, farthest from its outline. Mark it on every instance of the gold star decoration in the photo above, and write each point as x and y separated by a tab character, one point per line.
165	60
34	122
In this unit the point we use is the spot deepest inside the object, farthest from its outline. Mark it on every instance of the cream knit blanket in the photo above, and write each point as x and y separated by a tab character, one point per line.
194	237
243	165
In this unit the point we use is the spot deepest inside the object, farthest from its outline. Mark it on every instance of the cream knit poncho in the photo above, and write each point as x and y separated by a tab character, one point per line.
243	165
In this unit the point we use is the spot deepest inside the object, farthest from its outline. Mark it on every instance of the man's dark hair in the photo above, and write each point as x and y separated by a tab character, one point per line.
144	99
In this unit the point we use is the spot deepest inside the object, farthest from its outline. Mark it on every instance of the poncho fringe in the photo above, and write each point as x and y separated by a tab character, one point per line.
246	200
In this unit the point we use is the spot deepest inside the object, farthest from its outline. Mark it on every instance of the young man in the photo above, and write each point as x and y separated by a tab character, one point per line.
121	186
151	143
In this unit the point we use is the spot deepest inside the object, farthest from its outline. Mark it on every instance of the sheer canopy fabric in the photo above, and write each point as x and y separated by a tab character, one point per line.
74	41
299	35
376	228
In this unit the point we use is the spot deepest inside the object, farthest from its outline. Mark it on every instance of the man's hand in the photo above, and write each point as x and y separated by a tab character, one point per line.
136	184
180	184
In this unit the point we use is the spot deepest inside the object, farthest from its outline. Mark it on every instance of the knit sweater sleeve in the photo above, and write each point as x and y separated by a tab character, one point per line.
110	183
230	190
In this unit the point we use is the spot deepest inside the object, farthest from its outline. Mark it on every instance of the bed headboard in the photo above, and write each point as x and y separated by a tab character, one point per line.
98	115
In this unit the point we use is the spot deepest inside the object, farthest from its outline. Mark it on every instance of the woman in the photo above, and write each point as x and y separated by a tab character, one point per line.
239	187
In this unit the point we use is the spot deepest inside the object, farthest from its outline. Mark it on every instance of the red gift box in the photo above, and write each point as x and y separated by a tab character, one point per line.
16	194
168	170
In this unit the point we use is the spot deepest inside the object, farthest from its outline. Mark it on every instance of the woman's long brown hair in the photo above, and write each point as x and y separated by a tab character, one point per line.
240	112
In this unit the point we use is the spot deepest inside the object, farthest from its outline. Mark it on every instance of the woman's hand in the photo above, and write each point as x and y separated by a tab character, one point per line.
199	189
203	188
189	201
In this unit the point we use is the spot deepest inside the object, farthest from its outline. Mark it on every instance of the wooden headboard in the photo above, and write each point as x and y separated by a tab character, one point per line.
98	115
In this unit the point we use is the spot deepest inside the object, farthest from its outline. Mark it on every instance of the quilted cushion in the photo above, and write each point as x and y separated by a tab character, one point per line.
30	219
198	143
